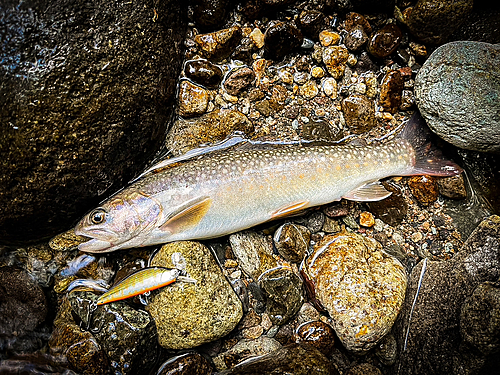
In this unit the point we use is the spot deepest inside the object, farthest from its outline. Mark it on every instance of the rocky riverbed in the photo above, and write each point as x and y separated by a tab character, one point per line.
406	285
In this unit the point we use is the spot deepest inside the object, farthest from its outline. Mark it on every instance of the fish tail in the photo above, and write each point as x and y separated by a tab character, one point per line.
428	158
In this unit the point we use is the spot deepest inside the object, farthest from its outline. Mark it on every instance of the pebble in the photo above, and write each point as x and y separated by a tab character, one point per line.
318	334
238	80
193	99
284	294
257	37
384	41
356	39
354	19
452	187
359	113
191	314
317	72
292	241
391	210
328	38
280	39
219	44
360	286
407	100
203	72
254	253
311	22
424	189
309	90
335	59
186	364
457	91
212	127
329	87
366	219
391	91
331	225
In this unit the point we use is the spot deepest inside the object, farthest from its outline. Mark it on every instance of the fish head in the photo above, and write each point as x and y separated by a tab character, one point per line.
120	222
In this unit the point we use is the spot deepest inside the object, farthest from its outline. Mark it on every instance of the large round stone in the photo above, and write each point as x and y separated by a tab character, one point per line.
458	93
85	90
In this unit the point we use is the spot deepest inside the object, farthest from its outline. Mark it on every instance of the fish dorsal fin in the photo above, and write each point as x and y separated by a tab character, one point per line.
290	209
187	216
372	191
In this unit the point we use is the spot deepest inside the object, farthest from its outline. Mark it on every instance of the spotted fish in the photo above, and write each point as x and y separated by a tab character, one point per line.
228	191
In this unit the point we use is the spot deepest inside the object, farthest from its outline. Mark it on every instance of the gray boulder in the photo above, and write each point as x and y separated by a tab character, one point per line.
458	93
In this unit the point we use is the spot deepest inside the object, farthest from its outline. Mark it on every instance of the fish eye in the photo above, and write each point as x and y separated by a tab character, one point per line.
98	216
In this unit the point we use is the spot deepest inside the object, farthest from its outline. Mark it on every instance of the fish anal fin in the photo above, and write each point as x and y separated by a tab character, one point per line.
370	192
289	210
187	216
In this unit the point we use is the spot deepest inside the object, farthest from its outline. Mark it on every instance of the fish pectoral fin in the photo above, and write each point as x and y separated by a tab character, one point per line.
372	191
290	209
187	216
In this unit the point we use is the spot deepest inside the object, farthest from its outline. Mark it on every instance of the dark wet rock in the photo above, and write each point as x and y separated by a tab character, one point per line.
191	314
433	21
284	294
360	286
452	187
311	22
353	20
280	39
245	349
481	25
314	221
391	91
385	41
480	318
85	95
355	38
292	241
297	359
331	225
335	60
203	72
365	63
321	130
212	127
338	209
458	90
254	253
407	100
432	333
193	99
364	369
393	209
359	113
210	14
424	189
245	49
238	80
387	350
126	335
23	307
186	364
219	44
318	334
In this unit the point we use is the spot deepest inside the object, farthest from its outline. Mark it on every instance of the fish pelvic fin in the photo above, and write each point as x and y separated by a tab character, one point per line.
187	216
428	158
372	191
289	210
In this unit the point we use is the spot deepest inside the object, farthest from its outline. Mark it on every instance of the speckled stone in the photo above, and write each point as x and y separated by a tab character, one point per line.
356	38
364	369
318	334
66	241
353	19
328	38
391	91
309	90
254	253
359	113
329	87
292	241
219	44
335	59
452	187
360	286
188	314
238	80
193	99
424	189
212	127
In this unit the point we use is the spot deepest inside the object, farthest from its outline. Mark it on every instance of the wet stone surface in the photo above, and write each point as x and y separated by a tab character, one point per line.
318	334
385	41
361	287
292	241
203	72
190	314
186	364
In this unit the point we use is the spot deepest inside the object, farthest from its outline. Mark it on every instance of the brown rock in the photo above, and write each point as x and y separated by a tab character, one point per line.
424	189
359	113
318	334
219	44
193	99
393	209
335	59
239	80
353	20
390	91
281	38
452	187
385	41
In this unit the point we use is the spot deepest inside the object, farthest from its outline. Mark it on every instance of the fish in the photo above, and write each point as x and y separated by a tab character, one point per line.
234	189
142	281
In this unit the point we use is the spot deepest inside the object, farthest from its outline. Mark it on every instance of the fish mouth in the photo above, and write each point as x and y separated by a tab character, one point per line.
101	240
96	246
